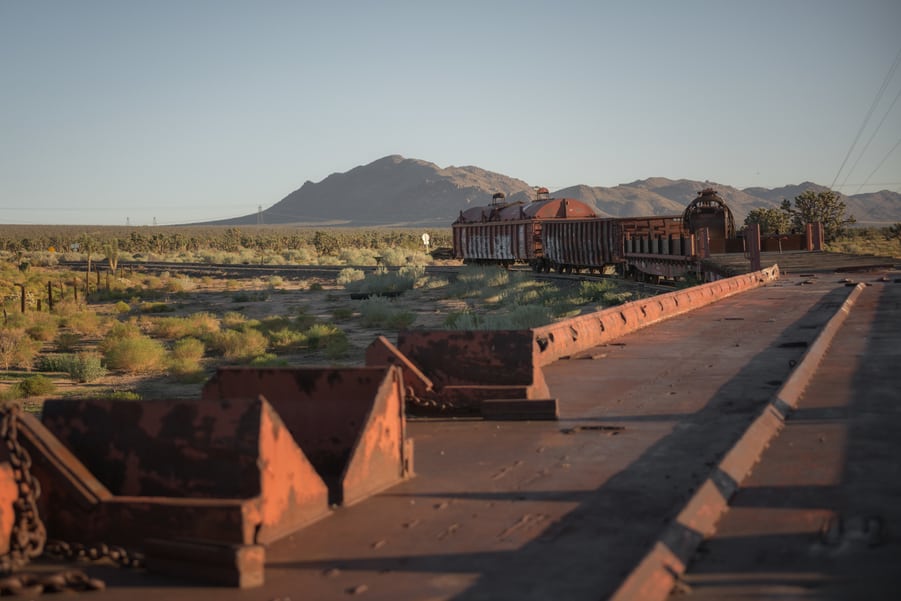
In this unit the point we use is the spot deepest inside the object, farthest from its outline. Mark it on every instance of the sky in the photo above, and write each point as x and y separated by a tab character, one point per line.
173	111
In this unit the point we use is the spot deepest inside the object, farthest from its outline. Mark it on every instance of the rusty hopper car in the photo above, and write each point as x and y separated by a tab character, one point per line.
606	244
505	233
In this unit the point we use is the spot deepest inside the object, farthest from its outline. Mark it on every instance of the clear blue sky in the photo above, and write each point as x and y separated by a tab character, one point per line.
191	110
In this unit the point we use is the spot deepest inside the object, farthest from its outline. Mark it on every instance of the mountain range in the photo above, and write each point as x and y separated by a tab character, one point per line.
397	191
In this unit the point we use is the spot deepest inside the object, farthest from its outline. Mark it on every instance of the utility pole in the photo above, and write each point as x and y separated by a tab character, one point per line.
259	214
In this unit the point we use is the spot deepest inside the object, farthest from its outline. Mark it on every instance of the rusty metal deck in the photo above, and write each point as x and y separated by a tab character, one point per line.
551	510
819	517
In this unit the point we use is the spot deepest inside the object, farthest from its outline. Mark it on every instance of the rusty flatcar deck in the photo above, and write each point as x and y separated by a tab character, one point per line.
818	518
547	510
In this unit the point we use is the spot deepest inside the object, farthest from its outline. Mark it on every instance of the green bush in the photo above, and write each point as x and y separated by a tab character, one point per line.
81	367
197	325
184	359
138	354
268	360
66	342
86	368
237	345
122	307
36	385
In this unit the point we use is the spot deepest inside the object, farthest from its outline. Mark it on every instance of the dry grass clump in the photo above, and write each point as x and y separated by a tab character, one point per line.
126	349
238	345
17	348
197	325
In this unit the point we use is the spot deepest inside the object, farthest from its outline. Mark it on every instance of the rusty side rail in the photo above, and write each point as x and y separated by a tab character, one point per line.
668	557
572	336
498	374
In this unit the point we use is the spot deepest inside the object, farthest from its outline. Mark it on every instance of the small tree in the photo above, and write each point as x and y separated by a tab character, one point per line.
826	207
771	221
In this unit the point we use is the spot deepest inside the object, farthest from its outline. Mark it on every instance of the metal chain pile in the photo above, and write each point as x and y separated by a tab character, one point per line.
28	539
28	533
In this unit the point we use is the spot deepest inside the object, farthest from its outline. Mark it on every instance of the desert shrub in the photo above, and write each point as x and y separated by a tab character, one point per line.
86	323
319	334
157	307
275	282
233	320
137	354
86	368
36	385
107	394
382	282
184	359
380	312
17	348
121	330
67	342
238	345
348	275
357	256
253	296
519	318
122	307
43	326
337	346
81	367
268	360
196	325
188	349
473	280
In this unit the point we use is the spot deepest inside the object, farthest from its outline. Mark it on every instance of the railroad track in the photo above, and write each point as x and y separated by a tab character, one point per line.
247	270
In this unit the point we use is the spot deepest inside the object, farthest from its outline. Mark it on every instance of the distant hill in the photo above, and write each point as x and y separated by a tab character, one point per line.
409	192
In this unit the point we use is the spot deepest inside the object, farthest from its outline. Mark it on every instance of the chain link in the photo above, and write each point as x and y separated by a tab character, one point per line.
28	539
28	532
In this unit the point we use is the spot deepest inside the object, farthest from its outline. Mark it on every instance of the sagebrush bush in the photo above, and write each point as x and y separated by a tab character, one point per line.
86	323
122	307
43	326
348	275
67	342
81	367
138	354
184	359
86	368
36	385
238	345
197	325
17	348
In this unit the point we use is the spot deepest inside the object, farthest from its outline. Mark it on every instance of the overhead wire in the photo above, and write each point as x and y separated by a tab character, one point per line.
884	159
870	140
875	103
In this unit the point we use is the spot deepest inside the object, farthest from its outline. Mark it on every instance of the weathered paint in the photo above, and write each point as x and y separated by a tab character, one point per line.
329	412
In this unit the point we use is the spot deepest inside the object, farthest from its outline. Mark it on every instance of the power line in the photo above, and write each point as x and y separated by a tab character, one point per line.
884	159
885	82
873	135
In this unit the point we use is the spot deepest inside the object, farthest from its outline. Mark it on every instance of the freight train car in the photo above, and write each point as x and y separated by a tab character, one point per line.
506	233
566	235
